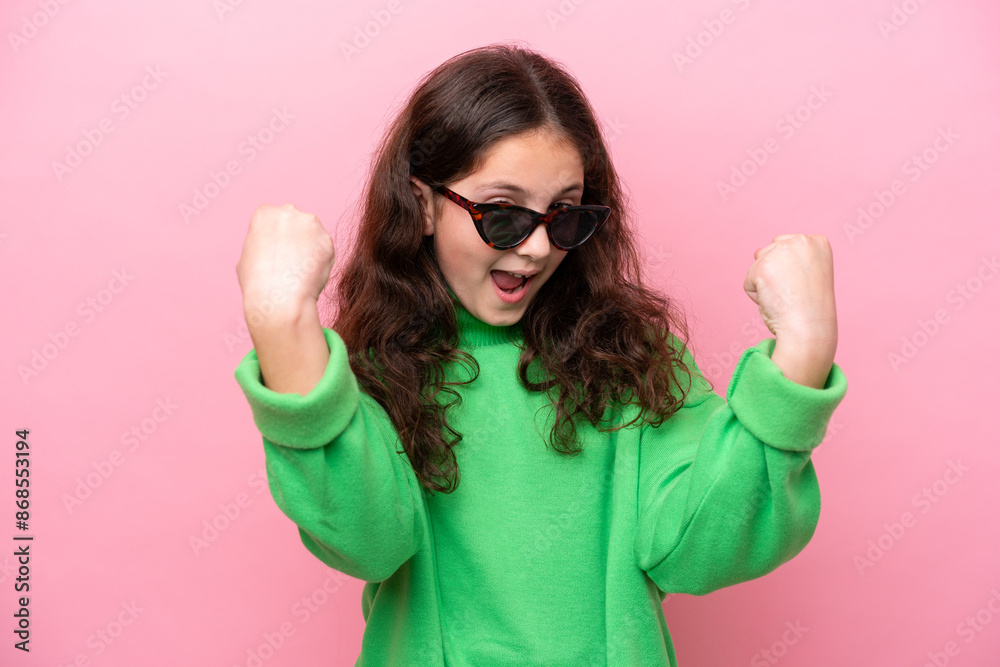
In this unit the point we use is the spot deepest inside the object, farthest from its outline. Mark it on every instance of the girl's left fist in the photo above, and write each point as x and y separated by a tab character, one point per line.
791	282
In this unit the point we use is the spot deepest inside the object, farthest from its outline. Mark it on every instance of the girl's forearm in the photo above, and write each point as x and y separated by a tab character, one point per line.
291	349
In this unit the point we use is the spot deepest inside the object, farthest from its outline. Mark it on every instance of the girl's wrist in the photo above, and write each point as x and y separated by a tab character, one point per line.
292	350
279	312
807	363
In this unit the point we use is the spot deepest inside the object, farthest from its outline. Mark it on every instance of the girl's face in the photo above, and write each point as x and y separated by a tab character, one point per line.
536	170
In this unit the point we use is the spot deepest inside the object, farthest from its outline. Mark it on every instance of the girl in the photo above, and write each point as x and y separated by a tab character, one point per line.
503	432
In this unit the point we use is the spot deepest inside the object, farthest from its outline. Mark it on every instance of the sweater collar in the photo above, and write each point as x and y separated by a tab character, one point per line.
473	332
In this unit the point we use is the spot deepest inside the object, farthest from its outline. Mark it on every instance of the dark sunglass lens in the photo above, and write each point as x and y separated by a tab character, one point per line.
573	228
506	228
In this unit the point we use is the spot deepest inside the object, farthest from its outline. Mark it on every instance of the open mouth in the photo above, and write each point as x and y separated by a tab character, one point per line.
510	287
509	282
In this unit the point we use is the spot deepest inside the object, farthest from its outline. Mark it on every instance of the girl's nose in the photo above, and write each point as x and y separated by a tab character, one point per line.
537	245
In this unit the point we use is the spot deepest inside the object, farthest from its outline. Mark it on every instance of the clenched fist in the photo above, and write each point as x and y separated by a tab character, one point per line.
286	261
791	282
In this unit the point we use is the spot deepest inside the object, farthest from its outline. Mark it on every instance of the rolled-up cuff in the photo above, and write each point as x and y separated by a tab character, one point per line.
294	420
777	411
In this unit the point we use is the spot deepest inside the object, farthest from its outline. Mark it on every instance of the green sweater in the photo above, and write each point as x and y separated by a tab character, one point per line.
538	558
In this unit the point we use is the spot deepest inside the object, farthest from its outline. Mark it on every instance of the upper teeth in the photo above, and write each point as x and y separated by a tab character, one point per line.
516	275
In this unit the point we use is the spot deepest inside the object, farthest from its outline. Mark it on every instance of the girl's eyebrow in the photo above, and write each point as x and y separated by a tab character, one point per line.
518	190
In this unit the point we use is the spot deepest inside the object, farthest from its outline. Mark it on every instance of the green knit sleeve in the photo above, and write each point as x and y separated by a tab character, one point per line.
333	468
727	489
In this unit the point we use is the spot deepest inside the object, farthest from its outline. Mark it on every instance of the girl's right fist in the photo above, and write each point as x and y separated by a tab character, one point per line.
286	261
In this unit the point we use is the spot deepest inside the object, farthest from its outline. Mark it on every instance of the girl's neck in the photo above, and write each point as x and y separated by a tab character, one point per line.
473	332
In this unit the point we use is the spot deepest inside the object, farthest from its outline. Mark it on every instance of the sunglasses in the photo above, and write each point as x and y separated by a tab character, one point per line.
503	226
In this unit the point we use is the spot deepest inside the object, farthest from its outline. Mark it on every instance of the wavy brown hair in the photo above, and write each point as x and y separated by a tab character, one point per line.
602	338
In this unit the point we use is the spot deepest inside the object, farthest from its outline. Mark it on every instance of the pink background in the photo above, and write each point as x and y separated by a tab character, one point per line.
172	332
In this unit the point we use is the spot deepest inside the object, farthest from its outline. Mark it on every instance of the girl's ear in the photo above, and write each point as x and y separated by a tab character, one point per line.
426	201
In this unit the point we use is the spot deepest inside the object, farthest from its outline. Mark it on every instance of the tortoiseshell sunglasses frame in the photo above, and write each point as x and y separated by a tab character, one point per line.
478	210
